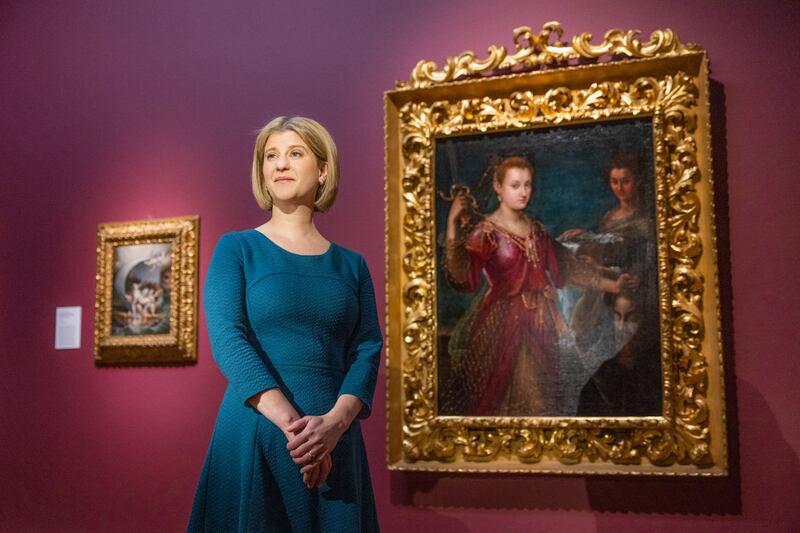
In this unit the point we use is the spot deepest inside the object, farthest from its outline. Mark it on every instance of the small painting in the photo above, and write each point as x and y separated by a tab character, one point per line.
146	293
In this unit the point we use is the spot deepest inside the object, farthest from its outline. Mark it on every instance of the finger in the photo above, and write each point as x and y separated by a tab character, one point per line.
296	441
308	455
318	455
325	469
299	439
321	473
298	425
303	449
313	476
310	466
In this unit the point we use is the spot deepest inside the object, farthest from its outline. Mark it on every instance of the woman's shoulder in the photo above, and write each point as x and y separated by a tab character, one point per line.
482	237
349	255
484	226
237	241
237	236
636	224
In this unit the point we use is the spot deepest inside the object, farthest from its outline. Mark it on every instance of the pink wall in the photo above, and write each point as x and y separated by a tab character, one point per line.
128	110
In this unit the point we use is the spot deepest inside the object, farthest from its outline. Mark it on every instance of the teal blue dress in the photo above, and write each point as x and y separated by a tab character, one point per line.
305	324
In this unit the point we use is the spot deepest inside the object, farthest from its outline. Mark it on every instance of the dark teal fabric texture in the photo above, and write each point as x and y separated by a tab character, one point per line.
306	324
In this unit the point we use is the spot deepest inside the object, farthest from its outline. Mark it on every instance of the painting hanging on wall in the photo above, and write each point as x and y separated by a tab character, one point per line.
526	318
146	294
552	302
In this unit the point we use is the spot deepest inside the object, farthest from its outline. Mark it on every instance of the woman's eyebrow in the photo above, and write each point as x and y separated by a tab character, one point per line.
292	147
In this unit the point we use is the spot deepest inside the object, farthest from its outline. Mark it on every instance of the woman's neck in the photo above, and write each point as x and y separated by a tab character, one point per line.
628	207
505	214
296	224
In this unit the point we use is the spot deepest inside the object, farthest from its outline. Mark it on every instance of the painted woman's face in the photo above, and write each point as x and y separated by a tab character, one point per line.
290	169
516	190
623	184
626	320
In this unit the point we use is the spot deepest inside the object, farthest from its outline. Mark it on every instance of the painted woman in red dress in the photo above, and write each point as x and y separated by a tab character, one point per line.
510	363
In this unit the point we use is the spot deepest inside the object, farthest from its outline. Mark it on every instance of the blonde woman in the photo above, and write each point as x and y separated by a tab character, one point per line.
294	329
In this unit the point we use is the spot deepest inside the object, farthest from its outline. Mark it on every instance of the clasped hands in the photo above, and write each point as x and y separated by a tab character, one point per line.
311	441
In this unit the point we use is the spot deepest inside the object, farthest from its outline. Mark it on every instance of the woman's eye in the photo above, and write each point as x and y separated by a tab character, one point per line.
270	157
297	153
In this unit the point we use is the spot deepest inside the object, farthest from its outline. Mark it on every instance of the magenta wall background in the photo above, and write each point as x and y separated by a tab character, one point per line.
115	111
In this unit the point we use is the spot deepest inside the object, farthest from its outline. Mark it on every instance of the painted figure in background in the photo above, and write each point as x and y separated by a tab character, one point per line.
141	298
626	384
623	241
294	329
509	340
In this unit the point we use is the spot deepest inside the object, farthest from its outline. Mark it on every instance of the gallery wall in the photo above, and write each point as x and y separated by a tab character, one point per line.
132	110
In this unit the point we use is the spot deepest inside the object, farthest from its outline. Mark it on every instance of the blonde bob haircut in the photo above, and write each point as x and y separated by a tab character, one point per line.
319	141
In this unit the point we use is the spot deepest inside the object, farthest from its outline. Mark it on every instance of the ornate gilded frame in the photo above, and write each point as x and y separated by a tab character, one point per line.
545	82
179	344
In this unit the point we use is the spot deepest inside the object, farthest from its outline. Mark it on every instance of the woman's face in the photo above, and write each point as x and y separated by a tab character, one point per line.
291	171
623	184
516	189
626	320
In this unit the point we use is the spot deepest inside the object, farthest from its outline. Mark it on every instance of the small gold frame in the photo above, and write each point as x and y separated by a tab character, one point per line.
545	82
146	292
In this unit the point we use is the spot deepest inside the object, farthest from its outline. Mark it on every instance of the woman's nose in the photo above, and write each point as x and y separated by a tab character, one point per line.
282	162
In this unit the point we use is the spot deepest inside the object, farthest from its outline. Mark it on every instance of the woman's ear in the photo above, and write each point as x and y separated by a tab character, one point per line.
497	187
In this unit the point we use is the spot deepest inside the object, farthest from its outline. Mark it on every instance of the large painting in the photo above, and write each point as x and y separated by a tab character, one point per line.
146	300
550	262
539	334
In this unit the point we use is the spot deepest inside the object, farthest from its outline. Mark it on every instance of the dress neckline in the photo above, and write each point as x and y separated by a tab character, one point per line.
510	233
279	247
525	244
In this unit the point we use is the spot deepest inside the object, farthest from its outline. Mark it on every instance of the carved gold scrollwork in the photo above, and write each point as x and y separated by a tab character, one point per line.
532	50
671	101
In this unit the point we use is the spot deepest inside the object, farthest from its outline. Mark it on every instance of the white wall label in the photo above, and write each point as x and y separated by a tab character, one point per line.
68	328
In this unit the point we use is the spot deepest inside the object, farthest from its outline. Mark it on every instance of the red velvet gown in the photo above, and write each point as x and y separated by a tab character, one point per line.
510	367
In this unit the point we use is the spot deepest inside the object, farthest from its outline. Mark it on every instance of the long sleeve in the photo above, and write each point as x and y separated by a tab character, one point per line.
365	351
232	340
463	260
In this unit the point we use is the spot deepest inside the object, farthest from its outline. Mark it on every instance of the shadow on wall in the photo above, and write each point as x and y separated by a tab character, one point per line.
704	496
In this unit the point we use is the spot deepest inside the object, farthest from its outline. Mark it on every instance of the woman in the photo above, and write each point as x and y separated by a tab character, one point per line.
511	362
623	240
294	329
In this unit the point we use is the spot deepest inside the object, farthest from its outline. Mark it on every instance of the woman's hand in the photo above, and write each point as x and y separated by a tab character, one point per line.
570	234
459	206
314	476
626	283
550	292
458	211
314	438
